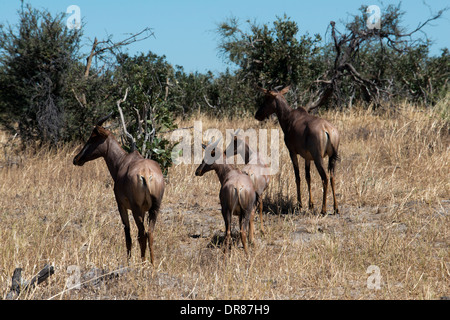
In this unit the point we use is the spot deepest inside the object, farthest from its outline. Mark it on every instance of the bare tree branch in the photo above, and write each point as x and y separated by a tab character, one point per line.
100	47
124	127
346	48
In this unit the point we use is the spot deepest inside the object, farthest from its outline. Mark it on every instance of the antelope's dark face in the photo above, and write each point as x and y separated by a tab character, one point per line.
211	156
206	166
94	147
203	168
267	107
269	103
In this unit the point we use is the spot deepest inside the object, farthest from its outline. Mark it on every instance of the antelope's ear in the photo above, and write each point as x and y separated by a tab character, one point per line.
285	90
273	94
102	131
265	91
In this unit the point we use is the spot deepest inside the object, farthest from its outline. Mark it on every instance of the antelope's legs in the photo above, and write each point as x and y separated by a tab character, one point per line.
294	160
335	205
126	226
308	181
323	175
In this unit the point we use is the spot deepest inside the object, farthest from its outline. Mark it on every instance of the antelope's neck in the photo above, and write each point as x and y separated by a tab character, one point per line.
250	156
248	153
222	171
114	156
283	112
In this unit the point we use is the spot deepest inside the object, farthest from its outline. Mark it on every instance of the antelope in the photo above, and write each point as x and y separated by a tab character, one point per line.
138	183
237	195
311	137
255	168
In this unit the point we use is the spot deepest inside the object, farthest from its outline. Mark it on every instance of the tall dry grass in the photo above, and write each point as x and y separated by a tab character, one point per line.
392	188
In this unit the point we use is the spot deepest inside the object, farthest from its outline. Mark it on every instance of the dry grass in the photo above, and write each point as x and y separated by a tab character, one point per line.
393	191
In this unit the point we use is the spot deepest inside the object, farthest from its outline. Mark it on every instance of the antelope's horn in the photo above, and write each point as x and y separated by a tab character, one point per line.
277	88
213	145
103	119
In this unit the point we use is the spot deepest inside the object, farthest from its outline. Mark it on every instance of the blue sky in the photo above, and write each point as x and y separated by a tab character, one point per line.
185	30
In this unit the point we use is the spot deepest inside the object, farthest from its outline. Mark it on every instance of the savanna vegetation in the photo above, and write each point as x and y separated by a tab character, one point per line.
392	186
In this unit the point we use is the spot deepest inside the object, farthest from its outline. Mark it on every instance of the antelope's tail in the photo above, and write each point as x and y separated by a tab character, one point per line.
147	183
334	157
146	180
237	199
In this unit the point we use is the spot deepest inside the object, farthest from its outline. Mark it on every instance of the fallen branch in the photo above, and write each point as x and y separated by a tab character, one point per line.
94	277
18	284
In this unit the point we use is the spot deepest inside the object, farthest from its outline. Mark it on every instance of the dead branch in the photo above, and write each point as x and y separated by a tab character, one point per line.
90	57
323	97
94	277
100	47
131	39
124	127
139	123
78	99
19	284
207	102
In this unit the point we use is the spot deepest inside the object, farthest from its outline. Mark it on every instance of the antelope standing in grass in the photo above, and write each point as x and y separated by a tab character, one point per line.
138	183
311	137
237	195
255	167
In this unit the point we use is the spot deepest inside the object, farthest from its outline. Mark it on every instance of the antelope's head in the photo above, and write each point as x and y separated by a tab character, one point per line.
94	147
211	155
269	104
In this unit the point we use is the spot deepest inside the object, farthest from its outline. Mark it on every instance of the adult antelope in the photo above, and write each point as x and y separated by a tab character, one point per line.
138	183
237	195
311	137
255	167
